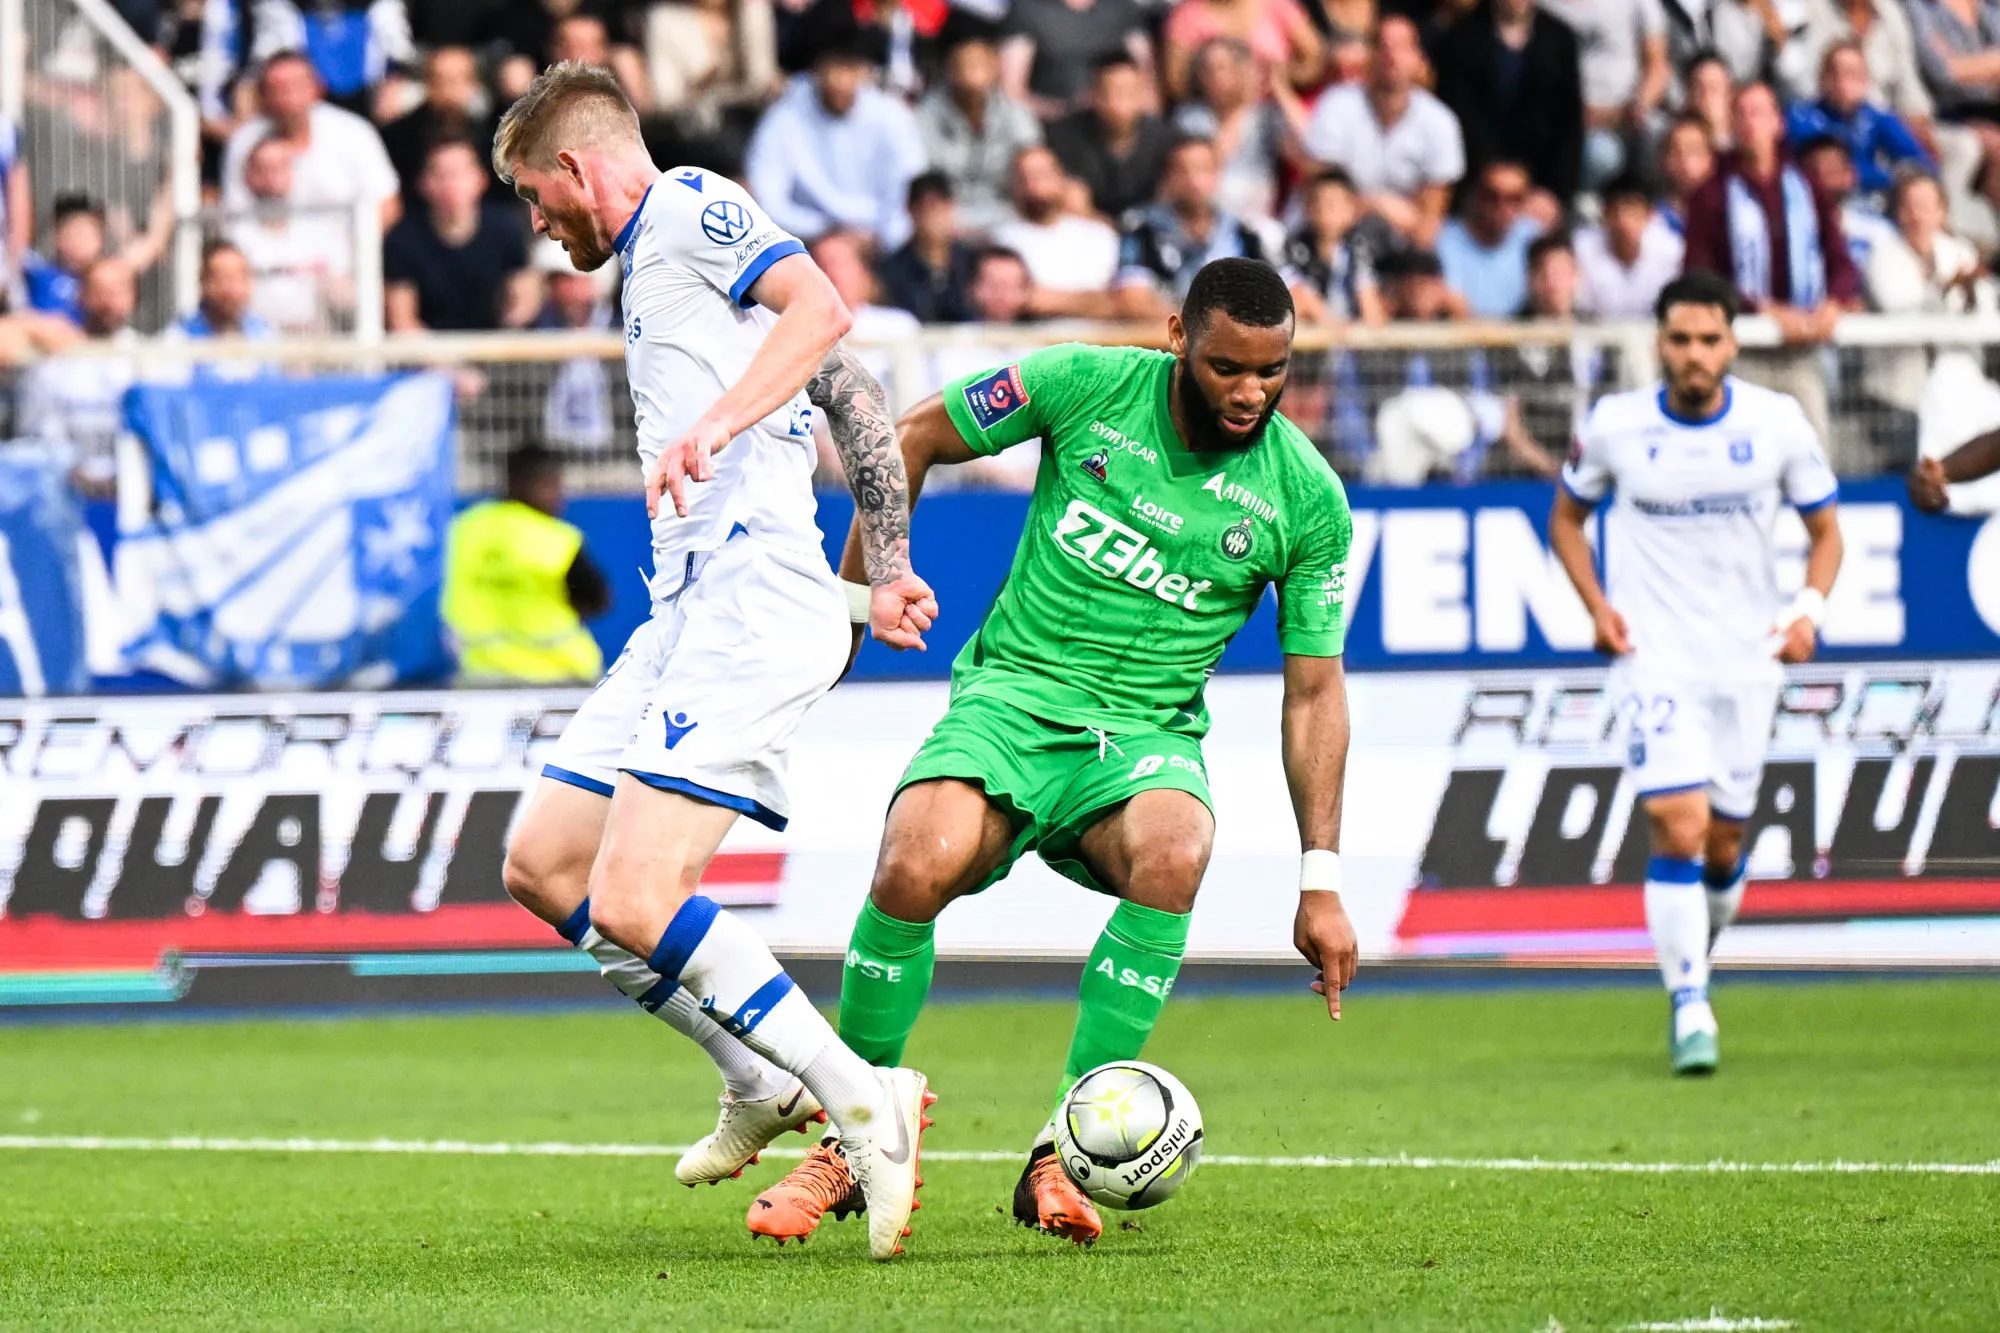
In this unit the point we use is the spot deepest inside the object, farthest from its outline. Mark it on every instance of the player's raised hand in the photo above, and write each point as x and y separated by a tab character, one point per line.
900	610
690	458
1926	483
1798	640
1324	937
1608	632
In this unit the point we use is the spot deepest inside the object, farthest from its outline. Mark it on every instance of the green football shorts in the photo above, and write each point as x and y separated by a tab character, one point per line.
1053	781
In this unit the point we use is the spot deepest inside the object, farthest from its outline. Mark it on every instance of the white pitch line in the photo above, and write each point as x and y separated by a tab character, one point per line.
1715	1323
464	1148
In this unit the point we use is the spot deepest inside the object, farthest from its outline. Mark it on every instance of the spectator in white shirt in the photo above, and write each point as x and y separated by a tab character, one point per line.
75	404
1623	264
1071	258
338	158
1399	144
1922	268
301	266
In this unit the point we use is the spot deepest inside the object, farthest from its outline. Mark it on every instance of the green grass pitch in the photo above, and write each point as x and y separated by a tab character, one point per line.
1862	1071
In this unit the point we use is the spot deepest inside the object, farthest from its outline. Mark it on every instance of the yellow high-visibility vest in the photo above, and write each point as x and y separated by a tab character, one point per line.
506	601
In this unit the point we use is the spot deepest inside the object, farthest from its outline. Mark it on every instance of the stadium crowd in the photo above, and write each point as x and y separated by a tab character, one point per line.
1008	161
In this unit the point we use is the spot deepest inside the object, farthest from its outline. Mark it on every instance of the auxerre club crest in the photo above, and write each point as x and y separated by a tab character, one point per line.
1238	541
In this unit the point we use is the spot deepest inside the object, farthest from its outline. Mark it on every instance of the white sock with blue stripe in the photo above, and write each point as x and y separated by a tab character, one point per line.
1677	919
1725	899
746	1074
738	984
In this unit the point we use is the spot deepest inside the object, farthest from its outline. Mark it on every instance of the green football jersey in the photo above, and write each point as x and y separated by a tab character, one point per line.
1142	558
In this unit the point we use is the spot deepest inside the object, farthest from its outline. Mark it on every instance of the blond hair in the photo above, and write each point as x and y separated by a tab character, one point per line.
570	105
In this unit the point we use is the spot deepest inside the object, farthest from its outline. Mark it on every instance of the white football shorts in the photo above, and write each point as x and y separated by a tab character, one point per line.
708	693
1694	735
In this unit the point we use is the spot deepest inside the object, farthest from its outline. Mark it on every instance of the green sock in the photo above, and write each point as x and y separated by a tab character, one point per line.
883	985
1125	985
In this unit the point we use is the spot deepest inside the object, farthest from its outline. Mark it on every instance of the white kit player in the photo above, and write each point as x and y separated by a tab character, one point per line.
1697	468
726	323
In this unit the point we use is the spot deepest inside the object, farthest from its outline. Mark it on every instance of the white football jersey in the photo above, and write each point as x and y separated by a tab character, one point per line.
689	256
1688	538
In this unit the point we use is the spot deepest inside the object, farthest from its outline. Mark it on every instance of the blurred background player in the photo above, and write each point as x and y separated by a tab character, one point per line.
1170	497
1698	466
694	724
518	585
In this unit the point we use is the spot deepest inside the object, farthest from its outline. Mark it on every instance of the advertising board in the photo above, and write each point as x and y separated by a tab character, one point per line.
1487	817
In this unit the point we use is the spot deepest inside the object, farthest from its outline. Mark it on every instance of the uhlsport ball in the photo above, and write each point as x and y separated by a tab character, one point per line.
1129	1134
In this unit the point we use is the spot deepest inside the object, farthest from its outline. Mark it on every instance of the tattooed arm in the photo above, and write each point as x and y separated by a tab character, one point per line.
857	416
901	605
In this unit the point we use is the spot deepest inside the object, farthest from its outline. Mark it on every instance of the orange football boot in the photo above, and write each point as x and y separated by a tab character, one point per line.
1046	1199
792	1208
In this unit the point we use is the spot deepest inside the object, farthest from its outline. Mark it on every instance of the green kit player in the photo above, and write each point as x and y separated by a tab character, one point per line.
1170	494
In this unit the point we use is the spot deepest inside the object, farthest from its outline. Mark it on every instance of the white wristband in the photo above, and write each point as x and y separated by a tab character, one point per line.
1319	870
859	595
1810	604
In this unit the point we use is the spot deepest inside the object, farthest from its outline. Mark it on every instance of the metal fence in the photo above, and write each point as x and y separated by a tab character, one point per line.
1404	404
100	115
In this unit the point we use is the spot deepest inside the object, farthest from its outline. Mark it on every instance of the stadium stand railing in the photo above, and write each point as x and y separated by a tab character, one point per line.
100	114
1447	396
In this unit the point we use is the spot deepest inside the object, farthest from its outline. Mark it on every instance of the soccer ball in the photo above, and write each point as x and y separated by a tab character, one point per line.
1129	1134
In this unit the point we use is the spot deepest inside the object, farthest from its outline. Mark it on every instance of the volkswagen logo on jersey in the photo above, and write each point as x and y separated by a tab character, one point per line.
1237	541
1097	464
725	222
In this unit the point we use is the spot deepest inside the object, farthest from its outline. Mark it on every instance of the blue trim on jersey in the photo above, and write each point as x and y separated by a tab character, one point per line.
742	805
1728	400
739	291
764	999
631	227
579	921
1814	506
1562	480
591	785
656	994
1672	870
1671	791
683	936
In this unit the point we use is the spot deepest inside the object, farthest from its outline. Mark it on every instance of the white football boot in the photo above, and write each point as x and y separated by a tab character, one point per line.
744	1130
886	1169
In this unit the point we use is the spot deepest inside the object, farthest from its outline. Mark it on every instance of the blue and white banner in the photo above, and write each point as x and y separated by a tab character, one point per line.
41	590
297	532
1440	577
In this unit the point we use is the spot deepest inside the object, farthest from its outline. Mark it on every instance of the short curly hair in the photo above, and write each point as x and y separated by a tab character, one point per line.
1249	291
